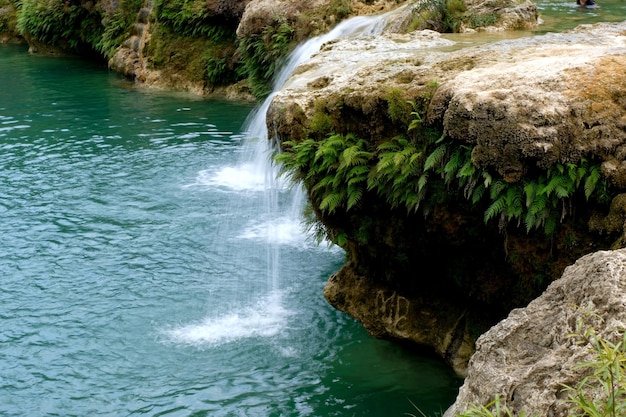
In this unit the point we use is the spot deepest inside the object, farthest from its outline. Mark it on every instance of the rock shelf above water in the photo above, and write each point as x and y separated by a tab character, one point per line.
522	105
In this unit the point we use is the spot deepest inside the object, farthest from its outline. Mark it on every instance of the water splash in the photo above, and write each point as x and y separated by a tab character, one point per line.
264	319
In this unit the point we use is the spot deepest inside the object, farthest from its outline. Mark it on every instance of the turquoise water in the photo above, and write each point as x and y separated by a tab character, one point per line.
136	277
560	15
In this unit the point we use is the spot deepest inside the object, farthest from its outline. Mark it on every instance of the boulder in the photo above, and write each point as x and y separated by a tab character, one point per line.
527	358
227	9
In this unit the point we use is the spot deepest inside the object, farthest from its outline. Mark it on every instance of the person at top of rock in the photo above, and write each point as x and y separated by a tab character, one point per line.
589	4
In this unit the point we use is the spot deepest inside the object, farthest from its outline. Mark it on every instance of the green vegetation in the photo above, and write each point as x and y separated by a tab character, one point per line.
320	122
314	21
423	167
447	16
539	202
398	108
340	8
188	40
264	53
198	59
191	18
602	393
66	25
493	409
335	170
117	27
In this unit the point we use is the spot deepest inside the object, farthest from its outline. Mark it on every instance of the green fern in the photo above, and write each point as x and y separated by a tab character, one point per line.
331	201
417	120
495	209
355	193
335	170
339	170
398	173
436	157
592	181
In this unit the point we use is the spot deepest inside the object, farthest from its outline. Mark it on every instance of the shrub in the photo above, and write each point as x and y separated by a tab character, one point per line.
602	393
191	18
66	25
264	53
439	15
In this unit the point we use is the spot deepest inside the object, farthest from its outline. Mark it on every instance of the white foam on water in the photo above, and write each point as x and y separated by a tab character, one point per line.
281	231
265	319
243	177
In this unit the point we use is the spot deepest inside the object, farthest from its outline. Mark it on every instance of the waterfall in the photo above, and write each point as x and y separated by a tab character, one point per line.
281	208
256	130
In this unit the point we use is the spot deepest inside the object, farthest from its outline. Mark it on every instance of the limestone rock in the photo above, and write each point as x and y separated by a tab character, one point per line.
8	31
425	320
528	357
129	58
532	102
227	9
523	103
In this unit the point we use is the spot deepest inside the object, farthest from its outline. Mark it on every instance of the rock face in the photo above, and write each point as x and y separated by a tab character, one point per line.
228	9
420	319
528	357
307	17
521	106
8	32
129	58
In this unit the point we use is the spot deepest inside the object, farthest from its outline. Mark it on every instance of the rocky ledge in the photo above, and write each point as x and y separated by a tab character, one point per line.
439	275
528	358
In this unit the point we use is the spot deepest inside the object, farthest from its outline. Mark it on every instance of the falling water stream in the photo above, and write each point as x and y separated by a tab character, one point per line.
152	264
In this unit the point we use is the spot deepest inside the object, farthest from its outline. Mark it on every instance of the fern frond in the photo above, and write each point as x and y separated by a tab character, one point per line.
452	166
560	185
514	205
477	193
592	180
421	183
537	211
495	208
496	188
357	174
530	190
412	201
393	144
322	184
487	179
385	163
468	169
435	157
354	196
331	202
412	165
550	225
